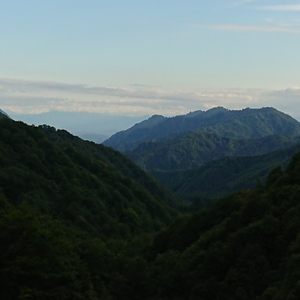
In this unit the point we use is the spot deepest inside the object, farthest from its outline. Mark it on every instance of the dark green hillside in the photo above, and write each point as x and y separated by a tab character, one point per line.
60	179
113	158
246	123
74	227
197	148
246	247
178	150
224	176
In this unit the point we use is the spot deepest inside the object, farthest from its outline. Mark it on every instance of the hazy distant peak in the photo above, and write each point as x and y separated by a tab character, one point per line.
272	109
217	109
250	123
194	114
151	122
208	113
263	109
156	117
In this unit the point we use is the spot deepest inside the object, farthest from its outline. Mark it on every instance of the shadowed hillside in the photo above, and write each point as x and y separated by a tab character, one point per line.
197	148
78	222
221	177
245	247
82	182
186	153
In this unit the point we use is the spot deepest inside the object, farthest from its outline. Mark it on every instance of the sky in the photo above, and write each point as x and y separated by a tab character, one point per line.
138	57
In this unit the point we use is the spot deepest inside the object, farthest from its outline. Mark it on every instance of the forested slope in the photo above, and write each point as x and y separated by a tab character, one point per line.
226	175
74	227
186	153
196	148
246	247
72	184
67	212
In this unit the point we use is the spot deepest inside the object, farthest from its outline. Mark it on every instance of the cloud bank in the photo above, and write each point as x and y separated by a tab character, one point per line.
285	7
257	28
28	97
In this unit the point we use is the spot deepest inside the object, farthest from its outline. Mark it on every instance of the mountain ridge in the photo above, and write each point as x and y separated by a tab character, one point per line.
238	173
182	143
82	182
198	147
251	123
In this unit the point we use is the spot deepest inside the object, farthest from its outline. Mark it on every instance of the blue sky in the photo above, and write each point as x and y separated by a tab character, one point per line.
139	57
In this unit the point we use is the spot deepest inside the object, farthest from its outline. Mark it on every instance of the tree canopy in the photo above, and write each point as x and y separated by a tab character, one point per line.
76	222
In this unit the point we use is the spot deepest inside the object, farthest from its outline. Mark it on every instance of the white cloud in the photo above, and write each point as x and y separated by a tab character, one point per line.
21	96
259	28
286	7
35	97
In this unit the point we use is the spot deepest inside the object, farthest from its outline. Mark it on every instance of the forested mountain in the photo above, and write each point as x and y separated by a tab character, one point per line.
226	175
246	123
246	247
186	153
67	208
82	182
198	147
77	222
113	158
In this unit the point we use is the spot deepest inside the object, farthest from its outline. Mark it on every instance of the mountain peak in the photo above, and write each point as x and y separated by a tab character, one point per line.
151	122
217	109
248	122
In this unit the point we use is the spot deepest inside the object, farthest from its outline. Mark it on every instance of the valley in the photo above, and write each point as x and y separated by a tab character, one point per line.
187	152
198	213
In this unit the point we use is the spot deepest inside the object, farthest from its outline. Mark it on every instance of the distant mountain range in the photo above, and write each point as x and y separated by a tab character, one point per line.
210	153
246	123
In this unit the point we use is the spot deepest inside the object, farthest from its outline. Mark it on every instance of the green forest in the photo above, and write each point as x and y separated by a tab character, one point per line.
81	221
186	152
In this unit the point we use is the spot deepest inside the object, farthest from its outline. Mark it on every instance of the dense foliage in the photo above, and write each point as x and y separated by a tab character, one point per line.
74	226
226	175
196	148
61	181
186	152
246	247
68	209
